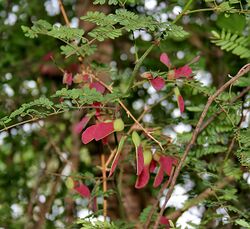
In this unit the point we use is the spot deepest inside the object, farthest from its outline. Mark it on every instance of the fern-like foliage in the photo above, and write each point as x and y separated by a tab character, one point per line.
145	213
132	21
99	18
230	169
174	31
123	19
73	99
39	107
243	152
86	224
216	137
113	25
102	33
72	37
109	26
232	42
110	2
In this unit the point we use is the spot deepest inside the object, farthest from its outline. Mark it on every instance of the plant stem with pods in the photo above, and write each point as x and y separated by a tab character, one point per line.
128	112
147	109
245	69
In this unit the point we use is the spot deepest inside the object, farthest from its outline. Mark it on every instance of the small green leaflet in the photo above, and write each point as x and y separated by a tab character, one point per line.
242	223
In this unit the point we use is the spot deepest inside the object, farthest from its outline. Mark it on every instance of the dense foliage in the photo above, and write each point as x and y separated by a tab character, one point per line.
125	114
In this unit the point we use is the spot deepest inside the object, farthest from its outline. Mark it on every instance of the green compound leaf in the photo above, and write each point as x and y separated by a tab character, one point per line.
73	38
232	42
175	32
103	33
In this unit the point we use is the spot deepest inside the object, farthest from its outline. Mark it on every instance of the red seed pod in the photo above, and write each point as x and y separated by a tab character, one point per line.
67	78
165	60
157	83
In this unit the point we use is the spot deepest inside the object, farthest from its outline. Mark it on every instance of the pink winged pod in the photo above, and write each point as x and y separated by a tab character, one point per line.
78	127
143	178
159	177
139	160
101	130
165	221
82	189
181	103
67	78
180	100
166	164
89	134
117	156
114	164
152	166
165	60
184	71
98	86
157	83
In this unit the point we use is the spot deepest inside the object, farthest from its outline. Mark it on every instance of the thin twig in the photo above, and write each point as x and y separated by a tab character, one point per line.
152	210
245	69
138	65
135	120
19	123
213	9
232	143
65	17
215	115
149	108
111	156
186	7
104	185
230	148
51	114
